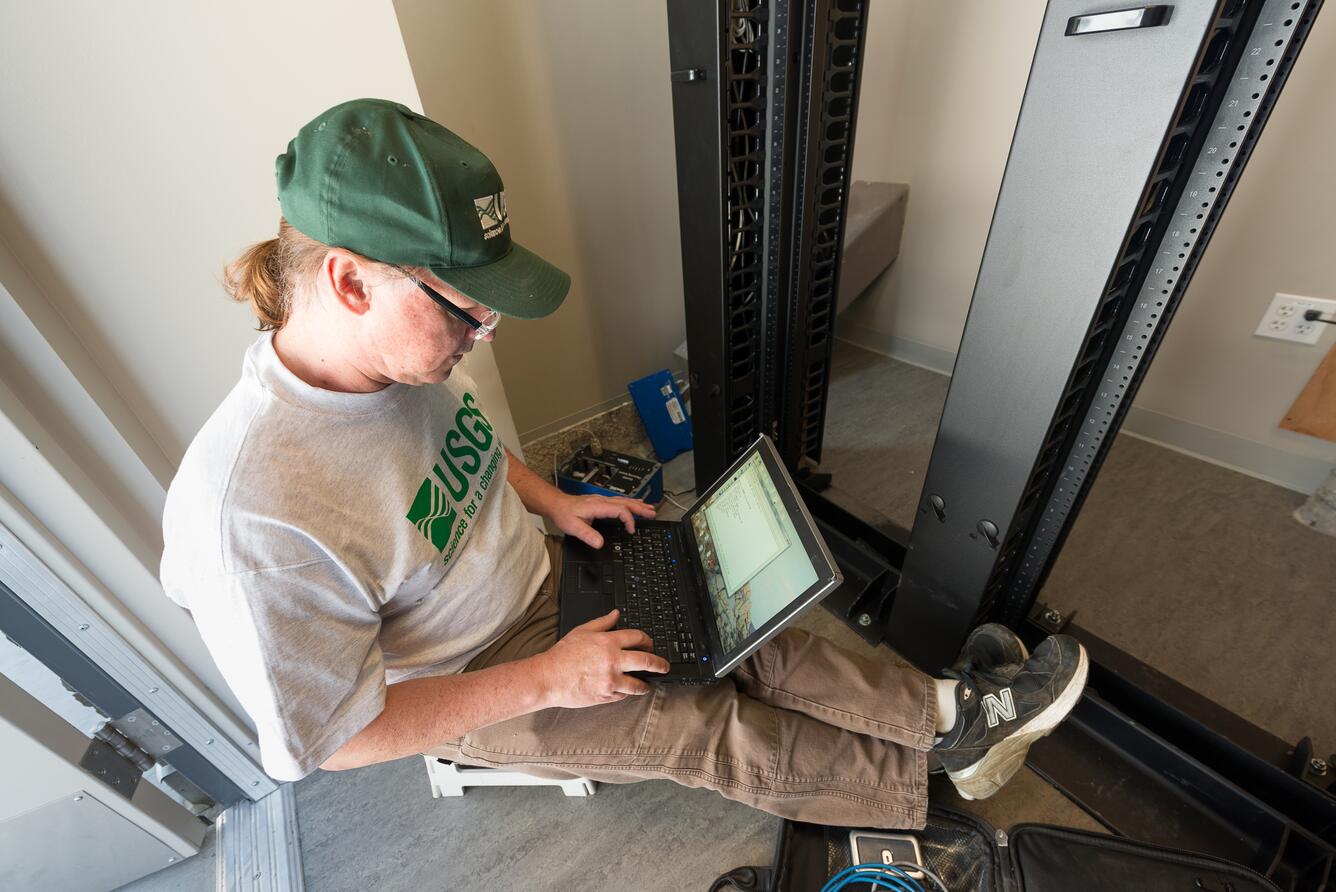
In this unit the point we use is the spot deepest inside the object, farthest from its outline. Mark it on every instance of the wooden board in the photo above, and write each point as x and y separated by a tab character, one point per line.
1314	412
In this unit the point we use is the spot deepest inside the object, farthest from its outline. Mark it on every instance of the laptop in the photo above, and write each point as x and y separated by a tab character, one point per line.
742	563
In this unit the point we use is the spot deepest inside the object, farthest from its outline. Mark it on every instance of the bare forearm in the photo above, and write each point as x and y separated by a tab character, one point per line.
536	493
585	668
425	712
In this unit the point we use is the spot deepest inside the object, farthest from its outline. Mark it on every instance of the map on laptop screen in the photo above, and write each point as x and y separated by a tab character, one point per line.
754	562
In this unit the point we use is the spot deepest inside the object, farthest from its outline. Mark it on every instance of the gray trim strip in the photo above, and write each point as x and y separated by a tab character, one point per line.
67	613
556	426
907	350
1264	461
259	845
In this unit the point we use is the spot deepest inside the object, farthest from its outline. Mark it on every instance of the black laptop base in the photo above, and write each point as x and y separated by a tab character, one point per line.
662	602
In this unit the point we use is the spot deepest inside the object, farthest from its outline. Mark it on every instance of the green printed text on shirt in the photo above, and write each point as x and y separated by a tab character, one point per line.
454	491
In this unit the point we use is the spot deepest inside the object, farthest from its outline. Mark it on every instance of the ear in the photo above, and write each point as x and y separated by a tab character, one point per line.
344	274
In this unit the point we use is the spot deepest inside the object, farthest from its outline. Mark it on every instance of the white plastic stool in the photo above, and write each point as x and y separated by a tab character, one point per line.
449	779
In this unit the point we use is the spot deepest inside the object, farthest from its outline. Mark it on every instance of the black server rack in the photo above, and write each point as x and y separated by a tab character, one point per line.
1135	126
1104	211
824	107
765	96
1134	129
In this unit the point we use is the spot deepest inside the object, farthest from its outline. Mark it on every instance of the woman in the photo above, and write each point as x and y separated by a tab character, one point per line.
352	538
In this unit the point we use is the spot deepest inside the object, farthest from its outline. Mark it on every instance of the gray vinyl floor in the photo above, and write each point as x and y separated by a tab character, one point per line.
1198	570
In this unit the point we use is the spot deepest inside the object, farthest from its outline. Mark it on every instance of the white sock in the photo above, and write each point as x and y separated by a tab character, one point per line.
946	705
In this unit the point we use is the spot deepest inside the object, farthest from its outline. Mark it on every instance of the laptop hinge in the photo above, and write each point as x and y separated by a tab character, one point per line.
708	624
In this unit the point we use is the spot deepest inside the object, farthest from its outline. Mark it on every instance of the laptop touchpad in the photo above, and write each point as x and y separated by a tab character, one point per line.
588	578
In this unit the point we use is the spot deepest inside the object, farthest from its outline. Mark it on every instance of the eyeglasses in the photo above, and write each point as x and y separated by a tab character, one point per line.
481	327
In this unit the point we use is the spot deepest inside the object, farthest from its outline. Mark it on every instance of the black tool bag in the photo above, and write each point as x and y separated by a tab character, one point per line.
972	856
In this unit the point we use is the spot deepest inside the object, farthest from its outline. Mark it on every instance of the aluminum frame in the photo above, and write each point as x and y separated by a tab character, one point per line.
49	620
259	845
39	612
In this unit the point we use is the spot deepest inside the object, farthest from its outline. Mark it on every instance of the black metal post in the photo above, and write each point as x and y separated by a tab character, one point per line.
1126	150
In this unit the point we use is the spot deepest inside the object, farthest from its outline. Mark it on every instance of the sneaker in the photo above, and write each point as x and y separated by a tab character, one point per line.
999	714
992	647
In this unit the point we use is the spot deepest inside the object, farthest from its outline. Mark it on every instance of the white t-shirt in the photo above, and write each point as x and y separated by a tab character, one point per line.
329	544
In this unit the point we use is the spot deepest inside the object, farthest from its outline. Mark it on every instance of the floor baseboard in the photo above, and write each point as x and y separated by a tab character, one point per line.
1297	472
1300	473
916	353
571	420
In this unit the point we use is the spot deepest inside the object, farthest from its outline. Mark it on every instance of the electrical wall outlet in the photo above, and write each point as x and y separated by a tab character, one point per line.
1284	319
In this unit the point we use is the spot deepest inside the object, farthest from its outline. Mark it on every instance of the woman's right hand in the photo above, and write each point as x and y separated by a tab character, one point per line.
589	665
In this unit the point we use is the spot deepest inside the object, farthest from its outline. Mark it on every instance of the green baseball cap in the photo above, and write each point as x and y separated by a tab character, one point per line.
379	179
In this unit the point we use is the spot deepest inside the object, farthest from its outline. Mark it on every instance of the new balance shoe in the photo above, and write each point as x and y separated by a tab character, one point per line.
992	647
1000	714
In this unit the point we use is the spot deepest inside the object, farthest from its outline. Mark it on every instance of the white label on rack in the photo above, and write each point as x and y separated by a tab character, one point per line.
675	411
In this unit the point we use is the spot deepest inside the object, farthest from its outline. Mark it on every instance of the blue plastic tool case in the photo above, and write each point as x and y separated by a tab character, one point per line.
611	474
662	410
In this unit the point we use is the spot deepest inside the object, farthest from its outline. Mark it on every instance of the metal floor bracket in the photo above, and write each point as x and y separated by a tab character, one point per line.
259	846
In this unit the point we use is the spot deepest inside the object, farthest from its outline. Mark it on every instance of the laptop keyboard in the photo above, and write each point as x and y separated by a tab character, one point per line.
650	600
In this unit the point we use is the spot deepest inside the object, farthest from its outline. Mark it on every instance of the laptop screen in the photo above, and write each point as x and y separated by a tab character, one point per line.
755	561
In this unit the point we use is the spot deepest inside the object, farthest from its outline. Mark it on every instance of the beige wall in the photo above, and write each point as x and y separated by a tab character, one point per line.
574	107
136	158
1278	234
944	126
571	101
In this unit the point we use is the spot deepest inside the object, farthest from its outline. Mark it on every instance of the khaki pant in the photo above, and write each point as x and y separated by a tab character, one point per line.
801	729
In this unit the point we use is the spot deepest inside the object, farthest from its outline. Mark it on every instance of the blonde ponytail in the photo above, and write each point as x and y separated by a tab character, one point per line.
268	273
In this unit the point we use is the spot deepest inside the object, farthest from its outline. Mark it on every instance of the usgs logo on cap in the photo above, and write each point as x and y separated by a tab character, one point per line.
492	214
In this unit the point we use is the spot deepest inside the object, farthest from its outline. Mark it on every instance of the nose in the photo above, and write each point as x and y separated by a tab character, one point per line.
490	336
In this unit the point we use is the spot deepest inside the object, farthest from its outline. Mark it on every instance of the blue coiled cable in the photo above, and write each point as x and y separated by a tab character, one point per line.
876	876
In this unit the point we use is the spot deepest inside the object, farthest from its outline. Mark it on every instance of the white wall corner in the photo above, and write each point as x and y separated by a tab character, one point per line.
44	362
84	499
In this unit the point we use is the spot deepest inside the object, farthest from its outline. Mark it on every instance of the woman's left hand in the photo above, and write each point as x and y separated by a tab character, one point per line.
574	514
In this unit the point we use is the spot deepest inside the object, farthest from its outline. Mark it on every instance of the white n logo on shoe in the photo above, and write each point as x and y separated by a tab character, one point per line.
997	707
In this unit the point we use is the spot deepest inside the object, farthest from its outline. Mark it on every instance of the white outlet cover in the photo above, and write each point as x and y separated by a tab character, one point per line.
1284	318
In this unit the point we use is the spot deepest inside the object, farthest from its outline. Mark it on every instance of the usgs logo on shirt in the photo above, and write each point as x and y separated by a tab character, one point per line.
449	498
